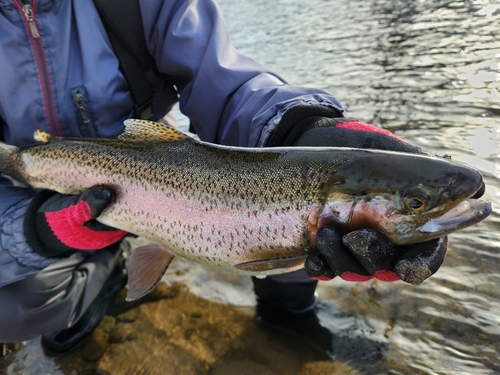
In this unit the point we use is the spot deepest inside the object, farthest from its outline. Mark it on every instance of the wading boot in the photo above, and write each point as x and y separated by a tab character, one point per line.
62	342
286	302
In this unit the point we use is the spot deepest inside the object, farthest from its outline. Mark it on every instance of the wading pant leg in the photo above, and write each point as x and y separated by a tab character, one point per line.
293	291
54	298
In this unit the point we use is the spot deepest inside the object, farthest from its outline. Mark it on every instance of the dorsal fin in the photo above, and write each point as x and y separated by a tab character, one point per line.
149	131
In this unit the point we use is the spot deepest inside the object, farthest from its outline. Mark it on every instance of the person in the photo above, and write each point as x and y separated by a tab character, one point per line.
59	268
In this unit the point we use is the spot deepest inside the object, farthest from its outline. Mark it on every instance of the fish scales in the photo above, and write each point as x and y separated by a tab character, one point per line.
210	210
248	210
230	181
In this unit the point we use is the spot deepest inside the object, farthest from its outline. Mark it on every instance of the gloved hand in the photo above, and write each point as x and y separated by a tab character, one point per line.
362	254
57	223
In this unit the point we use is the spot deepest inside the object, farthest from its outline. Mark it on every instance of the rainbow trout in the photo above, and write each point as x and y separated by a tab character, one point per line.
247	210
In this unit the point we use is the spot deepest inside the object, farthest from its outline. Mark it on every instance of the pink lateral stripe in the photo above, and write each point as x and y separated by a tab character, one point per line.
68	226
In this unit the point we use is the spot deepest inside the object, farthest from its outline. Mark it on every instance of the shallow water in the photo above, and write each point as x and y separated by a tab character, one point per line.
430	72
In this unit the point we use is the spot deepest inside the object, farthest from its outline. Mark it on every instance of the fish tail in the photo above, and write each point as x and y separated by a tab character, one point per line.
7	153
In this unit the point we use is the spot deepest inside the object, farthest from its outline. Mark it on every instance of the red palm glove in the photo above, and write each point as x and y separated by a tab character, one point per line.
57	223
363	254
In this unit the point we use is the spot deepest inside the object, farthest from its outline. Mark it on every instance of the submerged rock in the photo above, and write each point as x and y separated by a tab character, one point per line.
172	331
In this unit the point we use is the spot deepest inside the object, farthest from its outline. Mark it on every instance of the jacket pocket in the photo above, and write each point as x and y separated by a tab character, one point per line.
79	95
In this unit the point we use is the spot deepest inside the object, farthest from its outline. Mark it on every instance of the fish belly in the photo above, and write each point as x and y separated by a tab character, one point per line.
212	236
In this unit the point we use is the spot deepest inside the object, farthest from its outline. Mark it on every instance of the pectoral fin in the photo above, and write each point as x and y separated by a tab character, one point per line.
292	262
146	267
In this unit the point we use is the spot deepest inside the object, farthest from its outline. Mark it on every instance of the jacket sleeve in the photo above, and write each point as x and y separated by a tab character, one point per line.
17	260
228	97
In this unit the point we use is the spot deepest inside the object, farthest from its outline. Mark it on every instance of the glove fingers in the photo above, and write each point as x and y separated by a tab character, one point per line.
317	268
376	255
341	261
422	261
98	198
64	223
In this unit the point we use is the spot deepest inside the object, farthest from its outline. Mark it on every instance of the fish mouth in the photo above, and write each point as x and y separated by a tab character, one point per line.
466	213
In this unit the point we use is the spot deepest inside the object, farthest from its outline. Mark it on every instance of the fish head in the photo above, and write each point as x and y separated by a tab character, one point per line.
406	198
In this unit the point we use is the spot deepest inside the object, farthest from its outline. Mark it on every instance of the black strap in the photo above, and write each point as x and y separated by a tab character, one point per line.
2	129
123	22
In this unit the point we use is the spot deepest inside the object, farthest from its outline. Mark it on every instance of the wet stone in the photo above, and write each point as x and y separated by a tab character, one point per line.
7	354
122	333
95	346
128	316
107	323
327	368
243	368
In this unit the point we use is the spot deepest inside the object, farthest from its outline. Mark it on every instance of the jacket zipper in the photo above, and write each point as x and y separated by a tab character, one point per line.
81	106
48	98
28	11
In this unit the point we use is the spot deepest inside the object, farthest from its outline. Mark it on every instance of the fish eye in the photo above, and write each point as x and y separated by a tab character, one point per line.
416	200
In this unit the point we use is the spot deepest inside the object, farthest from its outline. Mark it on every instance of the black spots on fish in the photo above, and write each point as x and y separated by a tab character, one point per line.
360	180
253	213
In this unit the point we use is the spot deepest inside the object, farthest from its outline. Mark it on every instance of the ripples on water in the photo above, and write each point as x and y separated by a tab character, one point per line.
429	71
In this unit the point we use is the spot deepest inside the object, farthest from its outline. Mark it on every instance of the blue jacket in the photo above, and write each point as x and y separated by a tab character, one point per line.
58	72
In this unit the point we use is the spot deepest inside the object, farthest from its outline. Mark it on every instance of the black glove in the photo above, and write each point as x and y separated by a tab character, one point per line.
362	254
57	223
